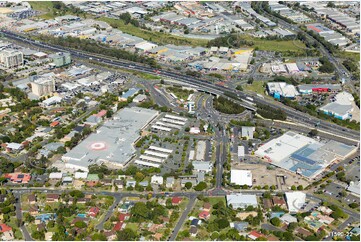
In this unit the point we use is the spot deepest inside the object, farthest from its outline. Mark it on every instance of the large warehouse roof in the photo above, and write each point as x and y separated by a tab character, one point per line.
113	141
281	148
303	155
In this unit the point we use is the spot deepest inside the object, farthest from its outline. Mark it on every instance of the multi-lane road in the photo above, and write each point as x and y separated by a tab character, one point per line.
200	83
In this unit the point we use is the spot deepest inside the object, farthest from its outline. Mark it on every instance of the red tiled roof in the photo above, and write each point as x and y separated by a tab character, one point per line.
118	226
101	113
176	200
55	123
256	234
5	228
122	217
204	214
93	211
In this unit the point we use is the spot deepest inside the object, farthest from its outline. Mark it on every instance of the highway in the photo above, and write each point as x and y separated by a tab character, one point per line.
342	72
202	84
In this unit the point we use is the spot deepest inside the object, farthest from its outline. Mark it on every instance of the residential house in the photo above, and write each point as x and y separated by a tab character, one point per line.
193	231
6	232
204	215
279	201
170	182
119	226
123	216
107	182
176	200
50	198
239	226
32	199
325	219
253	235
34	210
67	180
303	232
207	207
110	235
56	175
288	218
131	183
267	204
93	211
22	178
156	180
125	207
119	183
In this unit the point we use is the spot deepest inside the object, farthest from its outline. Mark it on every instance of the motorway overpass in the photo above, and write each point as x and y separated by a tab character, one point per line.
201	83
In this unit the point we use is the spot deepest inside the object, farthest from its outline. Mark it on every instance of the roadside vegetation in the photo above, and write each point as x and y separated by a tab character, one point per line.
150	35
286	47
224	105
98	48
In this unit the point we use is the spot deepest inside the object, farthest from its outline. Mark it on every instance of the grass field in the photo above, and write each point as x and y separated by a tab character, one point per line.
147	76
256	86
350	55
214	200
157	37
46	7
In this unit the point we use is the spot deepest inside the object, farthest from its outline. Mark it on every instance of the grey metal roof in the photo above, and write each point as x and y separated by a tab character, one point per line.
113	141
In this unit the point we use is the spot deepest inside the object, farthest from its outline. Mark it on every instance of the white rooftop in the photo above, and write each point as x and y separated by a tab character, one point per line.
295	200
241	177
282	147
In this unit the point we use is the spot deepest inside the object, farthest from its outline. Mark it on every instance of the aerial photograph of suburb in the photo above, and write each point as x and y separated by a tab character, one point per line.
180	120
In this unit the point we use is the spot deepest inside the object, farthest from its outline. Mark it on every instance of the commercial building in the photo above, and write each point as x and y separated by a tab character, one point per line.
130	93
61	59
341	108
303	155
295	201
354	187
240	200
113	142
240	152
202	166
329	35
318	88
281	89
10	58
43	86
51	101
241	177
247	132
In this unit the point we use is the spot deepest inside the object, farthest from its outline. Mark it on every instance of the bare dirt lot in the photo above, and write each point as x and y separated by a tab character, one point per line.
263	176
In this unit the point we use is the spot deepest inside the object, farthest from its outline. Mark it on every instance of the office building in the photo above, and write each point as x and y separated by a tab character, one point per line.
43	86
10	58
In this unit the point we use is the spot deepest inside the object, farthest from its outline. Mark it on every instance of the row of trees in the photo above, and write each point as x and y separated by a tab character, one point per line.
98	48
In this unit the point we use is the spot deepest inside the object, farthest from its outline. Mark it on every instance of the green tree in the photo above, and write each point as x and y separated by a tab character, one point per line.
127	234
188	185
200	186
275	221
